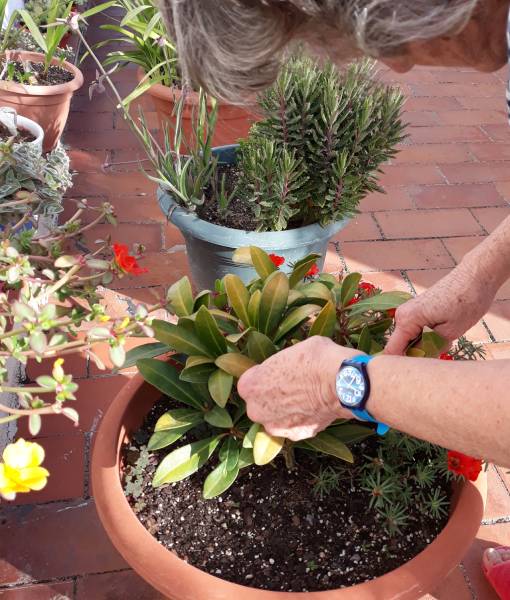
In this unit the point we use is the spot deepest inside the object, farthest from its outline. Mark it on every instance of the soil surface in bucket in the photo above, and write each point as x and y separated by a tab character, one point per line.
32	73
22	135
274	529
239	214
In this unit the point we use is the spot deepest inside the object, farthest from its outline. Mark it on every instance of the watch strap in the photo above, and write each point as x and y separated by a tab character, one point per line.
362	414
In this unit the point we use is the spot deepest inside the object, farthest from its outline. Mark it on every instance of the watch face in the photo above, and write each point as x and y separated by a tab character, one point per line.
350	386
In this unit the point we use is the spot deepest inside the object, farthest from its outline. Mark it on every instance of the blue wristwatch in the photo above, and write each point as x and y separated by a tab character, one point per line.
353	389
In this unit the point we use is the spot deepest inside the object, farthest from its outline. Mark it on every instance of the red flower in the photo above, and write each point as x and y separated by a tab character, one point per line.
354	300
391	312
125	262
277	260
461	464
445	356
368	288
314	270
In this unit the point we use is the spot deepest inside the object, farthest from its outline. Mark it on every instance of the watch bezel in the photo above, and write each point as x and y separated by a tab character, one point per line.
361	367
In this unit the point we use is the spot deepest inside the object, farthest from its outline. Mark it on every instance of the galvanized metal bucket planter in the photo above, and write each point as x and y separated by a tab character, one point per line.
210	247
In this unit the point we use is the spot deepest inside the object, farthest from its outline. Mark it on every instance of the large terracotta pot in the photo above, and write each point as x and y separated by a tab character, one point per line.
233	123
178	580
47	105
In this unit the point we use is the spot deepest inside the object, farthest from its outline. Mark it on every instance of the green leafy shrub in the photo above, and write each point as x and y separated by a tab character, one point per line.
319	147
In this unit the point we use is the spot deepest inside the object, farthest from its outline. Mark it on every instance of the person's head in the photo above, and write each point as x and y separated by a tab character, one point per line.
235	47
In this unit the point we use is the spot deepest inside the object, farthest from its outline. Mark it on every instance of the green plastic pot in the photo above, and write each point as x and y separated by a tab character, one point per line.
210	247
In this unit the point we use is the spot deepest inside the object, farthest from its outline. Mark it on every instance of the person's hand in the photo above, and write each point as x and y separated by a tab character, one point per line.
292	394
451	307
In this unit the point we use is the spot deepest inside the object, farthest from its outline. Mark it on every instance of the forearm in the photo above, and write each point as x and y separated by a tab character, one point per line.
490	261
462	406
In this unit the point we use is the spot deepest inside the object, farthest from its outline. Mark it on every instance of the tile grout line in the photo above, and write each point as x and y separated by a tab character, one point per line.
469	584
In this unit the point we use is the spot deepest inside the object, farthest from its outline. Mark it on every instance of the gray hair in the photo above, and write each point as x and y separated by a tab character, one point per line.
234	48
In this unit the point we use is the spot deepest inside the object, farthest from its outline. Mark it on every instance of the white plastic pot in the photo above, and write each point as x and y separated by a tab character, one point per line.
23	123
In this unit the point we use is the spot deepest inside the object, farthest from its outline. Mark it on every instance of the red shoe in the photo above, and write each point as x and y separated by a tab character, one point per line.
496	567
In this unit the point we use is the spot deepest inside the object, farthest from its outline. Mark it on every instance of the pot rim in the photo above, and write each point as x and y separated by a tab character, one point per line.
150	559
42	90
32	126
237	238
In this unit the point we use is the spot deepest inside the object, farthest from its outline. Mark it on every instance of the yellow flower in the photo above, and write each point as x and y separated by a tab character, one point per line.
21	470
103	318
58	371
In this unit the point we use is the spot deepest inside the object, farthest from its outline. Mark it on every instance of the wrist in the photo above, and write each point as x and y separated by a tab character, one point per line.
485	268
333	360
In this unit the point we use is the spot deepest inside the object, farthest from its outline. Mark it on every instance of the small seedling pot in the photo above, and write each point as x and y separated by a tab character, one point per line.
210	247
47	105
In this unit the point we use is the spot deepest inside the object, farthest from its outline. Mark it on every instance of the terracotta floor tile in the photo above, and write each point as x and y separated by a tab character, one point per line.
453	588
471	117
504	472
488	535
457	196
122	585
503	188
498	499
362	227
499	351
410	175
490	218
395	255
65	460
434	153
497	133
332	262
489	151
450	134
498	320
444	103
424	279
395	198
60	590
163	269
420	118
460	246
486	90
65	539
479	103
387	280
428	223
476	173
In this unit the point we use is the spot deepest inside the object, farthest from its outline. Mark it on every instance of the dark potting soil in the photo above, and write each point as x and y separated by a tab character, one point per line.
22	136
239	214
35	75
270	530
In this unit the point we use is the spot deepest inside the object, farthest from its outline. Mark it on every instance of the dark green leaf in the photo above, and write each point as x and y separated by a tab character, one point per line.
145	351
220	387
260	347
349	287
295	318
209	333
324	324
180	297
219	480
273	302
218	417
178	337
329	444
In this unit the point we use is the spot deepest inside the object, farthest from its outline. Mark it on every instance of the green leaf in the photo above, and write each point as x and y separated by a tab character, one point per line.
254	308
295	318
431	343
218	417
379	302
38	342
301	268
162	439
220	386
328	444
262	263
350	432
165	377
365	340
317	291
34	424
184	461
249	438
209	333
273	302
219	480
235	338
349	288
234	363
144	351
180	297
46	381
246	458
36	34
242	256
229	453
325	322
202	299
260	347
415	353
238	297
178	418
296	296
266	447
178	337
117	355
198	373
194	361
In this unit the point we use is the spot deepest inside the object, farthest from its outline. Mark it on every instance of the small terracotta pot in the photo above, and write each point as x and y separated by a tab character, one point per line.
178	580
47	105
233	122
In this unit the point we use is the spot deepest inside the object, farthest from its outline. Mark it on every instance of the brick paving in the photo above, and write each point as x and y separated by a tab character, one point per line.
448	188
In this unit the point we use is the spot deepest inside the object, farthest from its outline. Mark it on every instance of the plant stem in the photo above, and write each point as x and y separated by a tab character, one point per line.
23	412
288	453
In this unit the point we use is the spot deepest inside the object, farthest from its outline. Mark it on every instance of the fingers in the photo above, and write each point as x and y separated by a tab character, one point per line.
403	335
